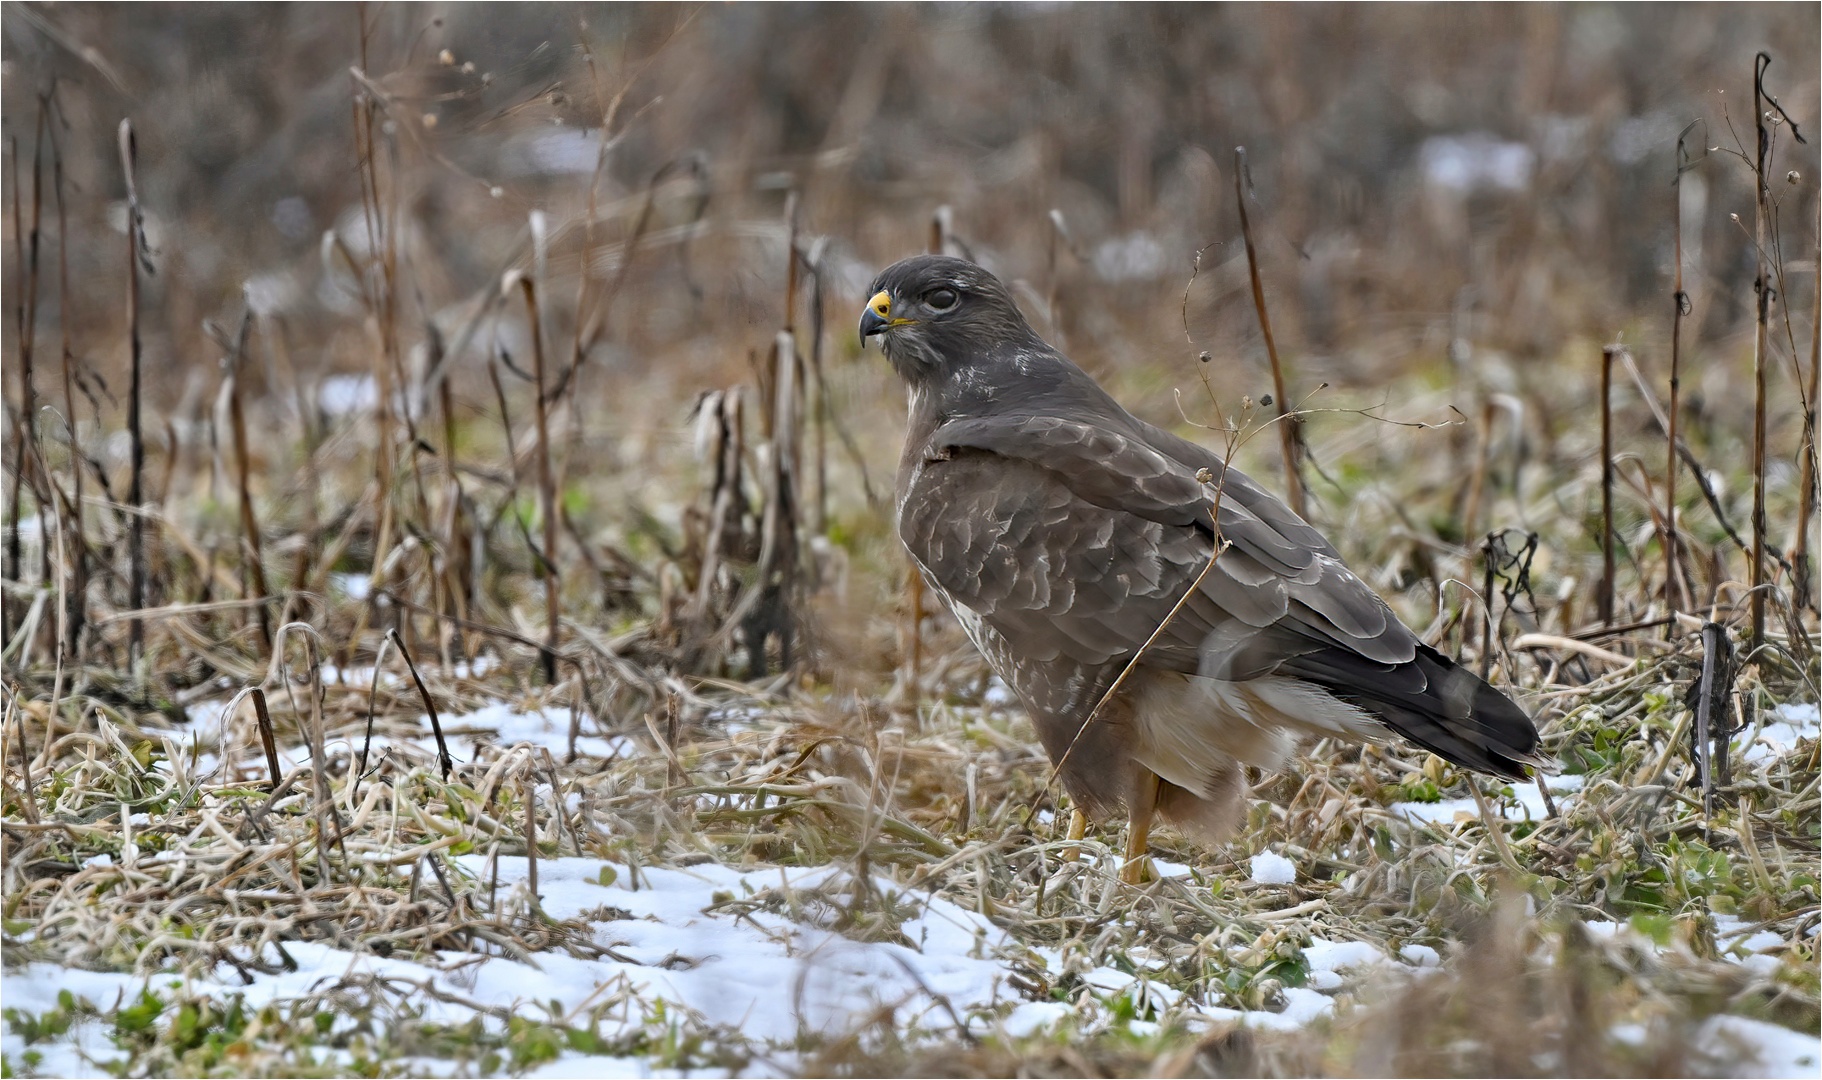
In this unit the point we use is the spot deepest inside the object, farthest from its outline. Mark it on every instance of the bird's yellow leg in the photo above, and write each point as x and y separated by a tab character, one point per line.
1142	804
1078	828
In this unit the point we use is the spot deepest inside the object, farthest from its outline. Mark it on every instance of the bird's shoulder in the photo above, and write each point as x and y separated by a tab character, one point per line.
1116	461
1111	523
1011	544
1104	464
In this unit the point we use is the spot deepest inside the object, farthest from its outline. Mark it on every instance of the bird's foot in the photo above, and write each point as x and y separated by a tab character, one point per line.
1078	828
1138	871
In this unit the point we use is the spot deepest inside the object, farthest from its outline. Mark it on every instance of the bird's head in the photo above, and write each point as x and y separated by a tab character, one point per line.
932	312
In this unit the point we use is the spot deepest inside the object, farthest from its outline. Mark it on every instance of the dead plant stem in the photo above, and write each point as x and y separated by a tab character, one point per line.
1290	442
136	541
1760	362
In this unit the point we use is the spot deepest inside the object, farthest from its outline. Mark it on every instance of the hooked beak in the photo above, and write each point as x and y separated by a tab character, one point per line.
877	318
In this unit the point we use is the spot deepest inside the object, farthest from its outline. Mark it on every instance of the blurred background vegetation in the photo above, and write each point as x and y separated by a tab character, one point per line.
1474	197
1461	198
1404	154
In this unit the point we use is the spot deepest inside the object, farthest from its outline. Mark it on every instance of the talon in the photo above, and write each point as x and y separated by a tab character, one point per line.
1143	804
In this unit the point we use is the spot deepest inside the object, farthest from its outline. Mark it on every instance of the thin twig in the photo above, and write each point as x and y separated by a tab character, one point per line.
1290	441
78	560
1760	362
251	558
267	741
1605	597
547	484
136	588
1676	592
430	706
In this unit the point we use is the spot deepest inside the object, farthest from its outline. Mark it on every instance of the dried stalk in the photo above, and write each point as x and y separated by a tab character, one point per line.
780	532
1802	581
26	470
1712	692
1486	606
790	262
727	502
531	836
1470	516
1290	439
267	740
29	796
323	805
136	539
444	762
380	214
78	560
40	477
252	559
1760	361
547	485
1676	593
459	584
1605	597
823	406
16	510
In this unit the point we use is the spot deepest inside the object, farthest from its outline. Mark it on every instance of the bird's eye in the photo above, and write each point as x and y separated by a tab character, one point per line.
941	299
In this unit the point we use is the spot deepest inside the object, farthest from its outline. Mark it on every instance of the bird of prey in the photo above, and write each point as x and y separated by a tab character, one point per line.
1073	543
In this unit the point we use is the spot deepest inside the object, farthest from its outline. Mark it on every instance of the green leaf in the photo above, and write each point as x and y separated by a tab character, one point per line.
139	1015
1656	927
583	1041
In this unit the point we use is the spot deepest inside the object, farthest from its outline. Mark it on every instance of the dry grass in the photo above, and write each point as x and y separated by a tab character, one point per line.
514	516
221	874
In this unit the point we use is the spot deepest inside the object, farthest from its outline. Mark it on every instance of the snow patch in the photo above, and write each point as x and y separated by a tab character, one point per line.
353	586
1137	256
1324	955
1476	161
340	395
1743	1047
1271	868
1795	721
1526	803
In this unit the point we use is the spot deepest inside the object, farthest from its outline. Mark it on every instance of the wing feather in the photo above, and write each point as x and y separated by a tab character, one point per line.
1072	543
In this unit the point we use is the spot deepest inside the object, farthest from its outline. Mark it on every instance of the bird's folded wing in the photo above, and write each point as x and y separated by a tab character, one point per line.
1117	492
1076	542
1059	577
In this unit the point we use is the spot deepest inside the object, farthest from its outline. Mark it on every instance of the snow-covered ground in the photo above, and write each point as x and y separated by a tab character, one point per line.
1757	1049
682	938
1783	726
754	954
1780	729
1526	804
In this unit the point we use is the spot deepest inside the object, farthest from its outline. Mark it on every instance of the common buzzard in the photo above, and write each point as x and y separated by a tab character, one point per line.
1062	532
